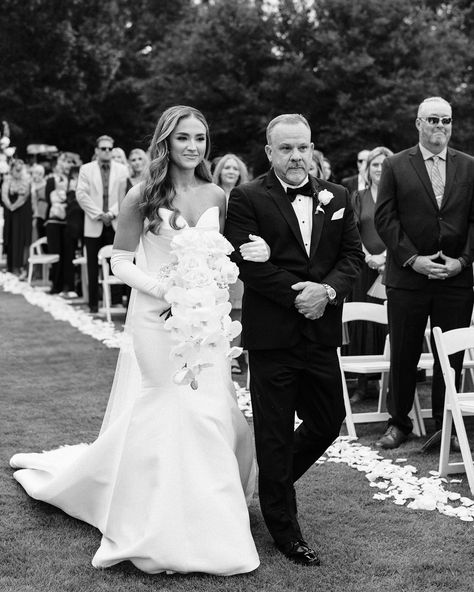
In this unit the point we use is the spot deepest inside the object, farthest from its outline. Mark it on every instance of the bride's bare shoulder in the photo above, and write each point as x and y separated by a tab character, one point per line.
214	194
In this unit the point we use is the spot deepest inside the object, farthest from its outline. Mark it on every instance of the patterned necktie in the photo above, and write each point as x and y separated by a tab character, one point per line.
437	181
292	192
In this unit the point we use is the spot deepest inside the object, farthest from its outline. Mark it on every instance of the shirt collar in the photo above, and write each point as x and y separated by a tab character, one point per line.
427	154
285	185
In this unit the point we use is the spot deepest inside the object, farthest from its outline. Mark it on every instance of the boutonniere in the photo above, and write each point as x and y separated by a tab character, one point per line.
324	197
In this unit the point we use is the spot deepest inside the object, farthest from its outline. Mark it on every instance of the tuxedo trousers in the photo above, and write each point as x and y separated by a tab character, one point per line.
447	307
305	379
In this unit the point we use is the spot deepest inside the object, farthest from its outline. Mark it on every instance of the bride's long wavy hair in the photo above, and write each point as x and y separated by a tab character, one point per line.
159	191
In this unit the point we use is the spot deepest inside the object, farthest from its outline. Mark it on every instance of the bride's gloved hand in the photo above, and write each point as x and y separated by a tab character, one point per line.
124	268
256	250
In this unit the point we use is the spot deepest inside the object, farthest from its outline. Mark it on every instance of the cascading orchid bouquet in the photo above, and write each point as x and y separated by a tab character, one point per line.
199	321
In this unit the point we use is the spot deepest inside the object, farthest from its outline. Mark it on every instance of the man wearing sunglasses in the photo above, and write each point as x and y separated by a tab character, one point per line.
425	216
101	187
358	182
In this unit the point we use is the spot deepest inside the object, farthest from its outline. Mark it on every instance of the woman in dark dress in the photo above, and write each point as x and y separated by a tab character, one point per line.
368	338
16	198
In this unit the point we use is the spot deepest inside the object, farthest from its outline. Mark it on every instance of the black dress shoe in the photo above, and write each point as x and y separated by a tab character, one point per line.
392	438
93	309
299	552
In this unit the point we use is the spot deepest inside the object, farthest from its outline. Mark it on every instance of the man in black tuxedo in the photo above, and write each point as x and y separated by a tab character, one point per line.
291	316
425	216
358	182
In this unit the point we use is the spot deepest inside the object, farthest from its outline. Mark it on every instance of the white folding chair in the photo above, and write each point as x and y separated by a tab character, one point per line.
37	256
374	364
82	261
457	404
108	279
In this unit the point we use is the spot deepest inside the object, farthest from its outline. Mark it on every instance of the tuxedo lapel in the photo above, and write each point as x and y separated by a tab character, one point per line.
418	164
318	218
278	195
451	165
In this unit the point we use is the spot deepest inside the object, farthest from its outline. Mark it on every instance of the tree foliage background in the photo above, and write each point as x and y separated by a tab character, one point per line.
357	69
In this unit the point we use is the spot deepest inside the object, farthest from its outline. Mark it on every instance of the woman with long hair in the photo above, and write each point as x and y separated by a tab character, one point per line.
138	162
168	477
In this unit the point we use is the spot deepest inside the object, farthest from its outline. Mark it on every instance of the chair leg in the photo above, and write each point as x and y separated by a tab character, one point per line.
347	404
30	273
445	442
418	423
466	452
382	404
107	300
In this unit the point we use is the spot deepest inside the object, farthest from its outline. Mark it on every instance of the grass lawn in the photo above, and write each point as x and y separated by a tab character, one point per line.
55	383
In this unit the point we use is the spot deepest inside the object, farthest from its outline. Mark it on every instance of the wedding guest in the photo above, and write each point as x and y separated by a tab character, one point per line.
327	170
368	338
57	186
425	217
101	186
292	318
118	155
139	162
16	198
229	172
317	164
38	200
73	236
359	181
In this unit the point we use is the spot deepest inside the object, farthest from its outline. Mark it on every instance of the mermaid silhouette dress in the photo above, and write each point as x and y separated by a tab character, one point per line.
168	479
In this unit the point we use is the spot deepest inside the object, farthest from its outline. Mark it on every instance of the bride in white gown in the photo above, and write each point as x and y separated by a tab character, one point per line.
168	479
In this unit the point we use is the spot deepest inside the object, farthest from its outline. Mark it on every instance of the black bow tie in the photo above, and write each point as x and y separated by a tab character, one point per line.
292	192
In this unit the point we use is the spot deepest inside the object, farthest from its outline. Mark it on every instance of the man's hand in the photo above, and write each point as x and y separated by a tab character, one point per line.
312	299
453	266
256	250
425	265
376	261
106	218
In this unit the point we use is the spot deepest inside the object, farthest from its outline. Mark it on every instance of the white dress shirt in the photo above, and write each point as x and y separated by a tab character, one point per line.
303	207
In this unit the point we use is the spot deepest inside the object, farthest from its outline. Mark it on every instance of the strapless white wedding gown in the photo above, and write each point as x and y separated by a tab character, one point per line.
168	479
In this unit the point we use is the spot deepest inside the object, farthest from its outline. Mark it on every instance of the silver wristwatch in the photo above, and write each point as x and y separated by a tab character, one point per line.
331	293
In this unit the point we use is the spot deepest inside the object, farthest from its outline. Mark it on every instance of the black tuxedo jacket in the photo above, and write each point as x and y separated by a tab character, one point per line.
270	319
351	183
409	221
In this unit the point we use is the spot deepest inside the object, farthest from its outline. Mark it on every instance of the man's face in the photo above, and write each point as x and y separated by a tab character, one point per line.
433	133
104	151
362	160
290	151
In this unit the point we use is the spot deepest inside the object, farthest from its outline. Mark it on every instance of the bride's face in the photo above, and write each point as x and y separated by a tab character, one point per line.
187	143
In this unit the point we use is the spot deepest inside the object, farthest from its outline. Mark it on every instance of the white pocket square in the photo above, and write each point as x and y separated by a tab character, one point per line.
338	215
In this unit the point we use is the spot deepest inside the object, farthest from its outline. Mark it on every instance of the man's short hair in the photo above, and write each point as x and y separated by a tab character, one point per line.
104	138
285	118
429	100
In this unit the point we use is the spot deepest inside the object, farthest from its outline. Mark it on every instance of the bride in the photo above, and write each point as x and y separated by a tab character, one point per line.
168	479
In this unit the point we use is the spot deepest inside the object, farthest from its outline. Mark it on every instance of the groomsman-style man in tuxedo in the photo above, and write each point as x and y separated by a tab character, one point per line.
100	189
425	216
291	316
358	182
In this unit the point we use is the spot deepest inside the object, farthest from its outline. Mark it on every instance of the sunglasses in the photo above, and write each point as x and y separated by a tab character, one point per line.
105	149
360	160
436	120
136	159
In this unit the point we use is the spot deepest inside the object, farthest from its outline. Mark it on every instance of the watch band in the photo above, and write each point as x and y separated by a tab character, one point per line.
331	293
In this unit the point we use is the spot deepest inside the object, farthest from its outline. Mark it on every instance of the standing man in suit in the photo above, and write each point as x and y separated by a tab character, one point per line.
291	314
101	187
358	182
425	216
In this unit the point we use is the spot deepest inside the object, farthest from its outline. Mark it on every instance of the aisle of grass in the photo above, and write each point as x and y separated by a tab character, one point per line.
54	388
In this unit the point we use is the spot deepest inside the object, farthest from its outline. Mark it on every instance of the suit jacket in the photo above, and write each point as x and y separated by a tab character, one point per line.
89	194
270	319
351	183
409	221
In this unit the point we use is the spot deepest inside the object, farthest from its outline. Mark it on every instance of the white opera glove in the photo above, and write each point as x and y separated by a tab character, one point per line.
124	268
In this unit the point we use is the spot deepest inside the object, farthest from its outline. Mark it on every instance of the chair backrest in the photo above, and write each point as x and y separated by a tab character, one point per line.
104	256
36	248
364	311
451	342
